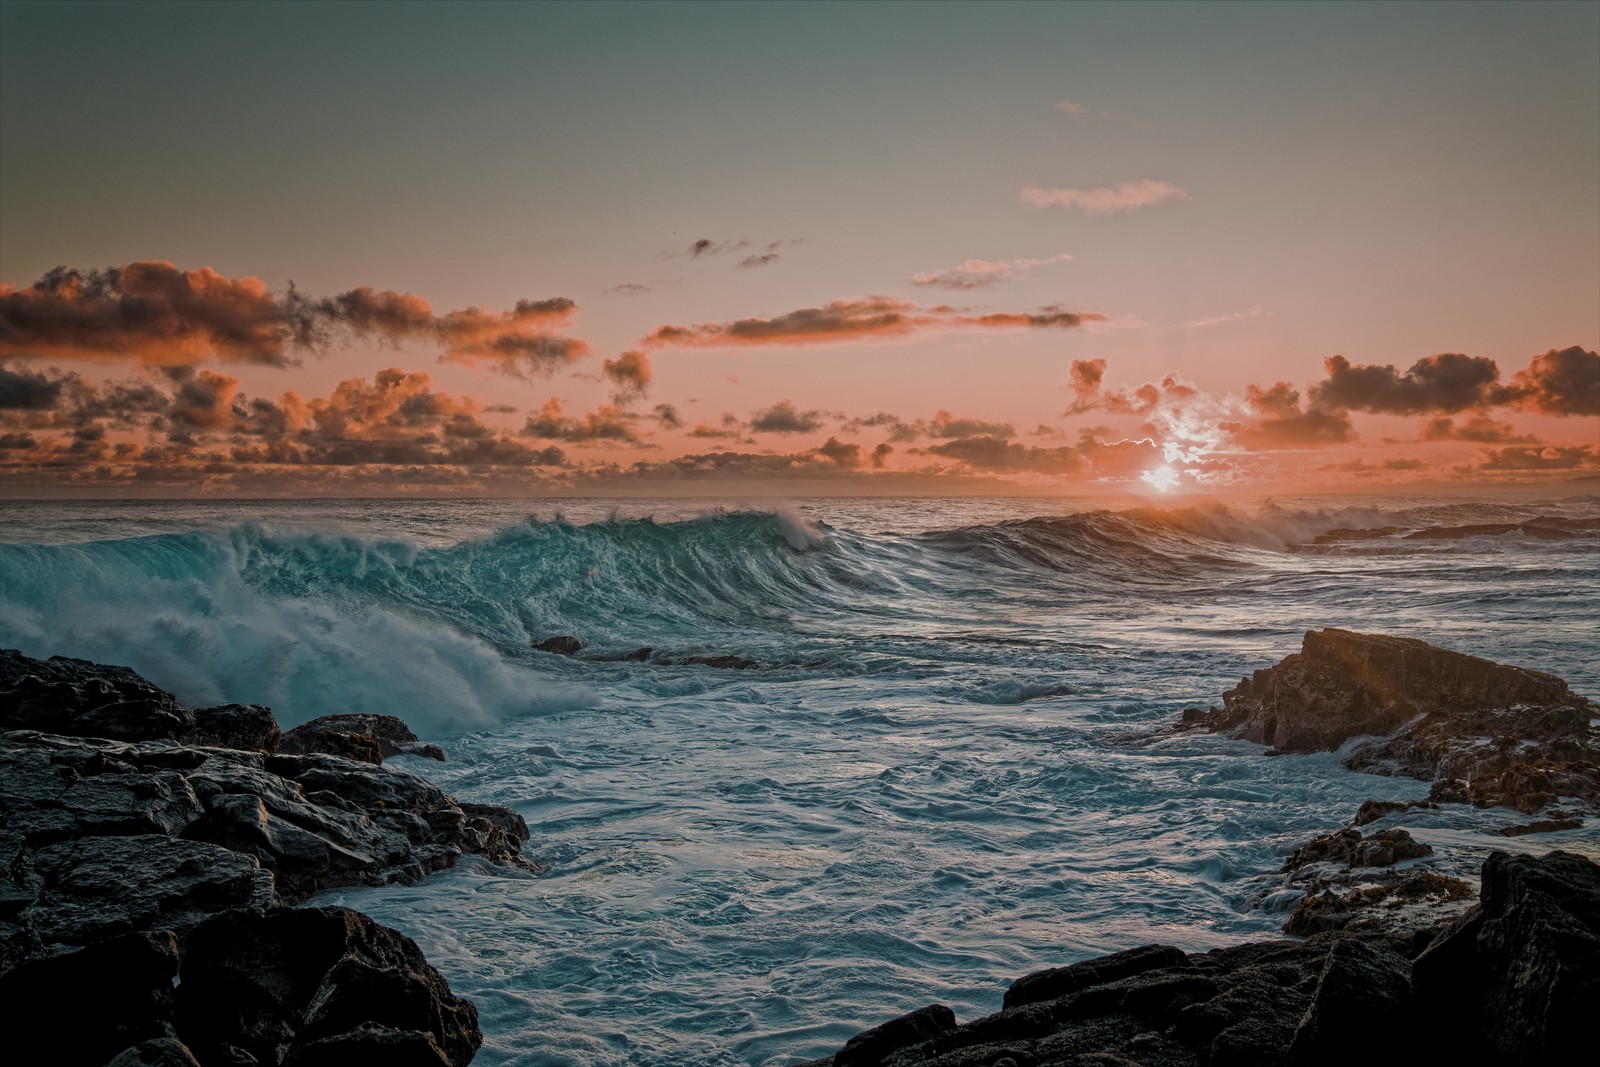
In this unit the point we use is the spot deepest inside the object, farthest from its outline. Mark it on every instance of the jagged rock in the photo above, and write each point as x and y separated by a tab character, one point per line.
73	696
248	727
1349	847
1512	983
1522	757
1060	981
364	737
92	888
1519	975
304	985
123	984
1373	810
869	1048
1364	988
1383	900
561	645
1344	684
157	1052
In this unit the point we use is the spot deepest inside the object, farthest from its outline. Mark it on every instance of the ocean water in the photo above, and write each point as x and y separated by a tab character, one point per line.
947	764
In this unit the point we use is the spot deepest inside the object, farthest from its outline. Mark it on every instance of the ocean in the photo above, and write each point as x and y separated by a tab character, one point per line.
881	752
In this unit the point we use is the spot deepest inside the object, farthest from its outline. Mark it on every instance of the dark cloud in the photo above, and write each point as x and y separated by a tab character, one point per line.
630	372
26	390
881	454
782	417
1565	382
605	423
843	453
153	313
1537	458
996	453
853	320
1444	384
667	417
945	424
897	428
628	289
761	260
1280	422
1480	428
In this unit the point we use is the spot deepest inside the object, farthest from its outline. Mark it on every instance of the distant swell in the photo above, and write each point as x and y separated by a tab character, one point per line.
312	622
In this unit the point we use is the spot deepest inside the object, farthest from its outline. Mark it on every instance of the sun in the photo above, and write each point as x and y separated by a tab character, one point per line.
1164	478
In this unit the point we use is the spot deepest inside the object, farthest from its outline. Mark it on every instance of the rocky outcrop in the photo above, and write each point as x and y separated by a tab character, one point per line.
83	699
188	839
1342	685
1481	732
365	737
1515	977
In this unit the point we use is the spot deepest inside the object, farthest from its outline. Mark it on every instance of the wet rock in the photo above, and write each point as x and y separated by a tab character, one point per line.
1344	684
124	986
1540	826
364	737
73	696
305	985
1364	988
1412	899
562	645
1061	981
1373	810
157	1052
868	1049
248	727
1518	975
1349	847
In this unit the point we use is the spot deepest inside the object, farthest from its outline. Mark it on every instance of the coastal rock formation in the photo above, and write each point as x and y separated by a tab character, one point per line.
1515	976
186	839
365	737
1483	733
1343	684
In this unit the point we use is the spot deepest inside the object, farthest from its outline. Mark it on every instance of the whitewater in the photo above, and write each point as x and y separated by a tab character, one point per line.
816	765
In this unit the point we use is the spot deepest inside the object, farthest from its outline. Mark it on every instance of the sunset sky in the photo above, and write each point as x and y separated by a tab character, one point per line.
286	249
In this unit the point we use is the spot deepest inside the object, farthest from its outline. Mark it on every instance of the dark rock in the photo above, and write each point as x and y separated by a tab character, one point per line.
1391	900
249	727
638	655
869	1048
1349	847
1537	531
371	1043
93	888
1343	685
1540	826
1364	988
77	697
123	987
1373	810
276	984
1519	975
365	737
1060	981
157	1052
563	645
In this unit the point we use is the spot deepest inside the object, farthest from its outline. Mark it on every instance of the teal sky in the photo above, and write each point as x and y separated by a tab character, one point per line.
1386	181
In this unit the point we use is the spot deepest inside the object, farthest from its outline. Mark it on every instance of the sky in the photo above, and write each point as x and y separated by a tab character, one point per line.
797	248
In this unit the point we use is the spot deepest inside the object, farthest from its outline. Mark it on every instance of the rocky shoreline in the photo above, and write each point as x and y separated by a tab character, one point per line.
1389	956
155	854
152	857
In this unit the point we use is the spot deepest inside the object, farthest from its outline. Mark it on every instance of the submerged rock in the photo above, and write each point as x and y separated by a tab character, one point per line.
561	645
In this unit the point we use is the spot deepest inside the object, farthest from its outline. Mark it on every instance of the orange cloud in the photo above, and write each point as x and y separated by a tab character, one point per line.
605	423
153	313
867	318
1557	383
631	372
